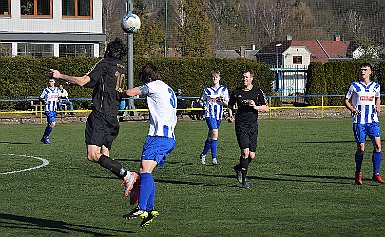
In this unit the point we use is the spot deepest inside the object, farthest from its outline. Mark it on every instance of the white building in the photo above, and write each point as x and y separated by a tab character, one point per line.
294	63
59	28
369	52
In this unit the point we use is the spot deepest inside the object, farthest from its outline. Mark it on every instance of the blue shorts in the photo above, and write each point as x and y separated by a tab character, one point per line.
51	116
362	130
212	123
157	149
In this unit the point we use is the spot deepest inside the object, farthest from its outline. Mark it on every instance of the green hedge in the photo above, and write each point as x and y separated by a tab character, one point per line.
334	78
21	77
316	83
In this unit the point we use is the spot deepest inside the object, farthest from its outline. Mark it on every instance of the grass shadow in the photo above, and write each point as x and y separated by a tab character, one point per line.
325	179
31	223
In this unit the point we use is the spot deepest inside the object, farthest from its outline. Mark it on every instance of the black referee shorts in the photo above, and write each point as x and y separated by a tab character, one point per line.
101	129
247	135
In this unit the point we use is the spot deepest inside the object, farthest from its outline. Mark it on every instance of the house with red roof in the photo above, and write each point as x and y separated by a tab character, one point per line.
288	53
290	59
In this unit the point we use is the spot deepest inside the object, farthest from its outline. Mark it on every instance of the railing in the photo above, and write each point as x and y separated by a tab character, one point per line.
288	102
322	106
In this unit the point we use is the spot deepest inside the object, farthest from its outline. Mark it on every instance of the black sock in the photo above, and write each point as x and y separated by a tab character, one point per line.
244	163
113	166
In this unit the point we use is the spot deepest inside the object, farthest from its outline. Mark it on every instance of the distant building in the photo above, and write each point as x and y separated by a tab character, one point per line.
289	53
290	59
243	52
370	52
59	28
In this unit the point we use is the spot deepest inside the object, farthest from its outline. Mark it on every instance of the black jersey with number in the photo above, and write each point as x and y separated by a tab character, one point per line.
107	80
246	113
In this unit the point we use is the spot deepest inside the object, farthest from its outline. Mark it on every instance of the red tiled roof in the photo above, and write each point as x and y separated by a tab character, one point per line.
320	50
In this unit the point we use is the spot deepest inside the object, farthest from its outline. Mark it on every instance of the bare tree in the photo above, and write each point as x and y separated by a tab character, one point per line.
109	16
354	23
274	16
215	9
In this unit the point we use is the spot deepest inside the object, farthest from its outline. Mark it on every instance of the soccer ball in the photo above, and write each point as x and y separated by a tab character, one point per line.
130	23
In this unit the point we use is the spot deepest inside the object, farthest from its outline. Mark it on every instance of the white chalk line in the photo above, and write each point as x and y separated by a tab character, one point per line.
45	163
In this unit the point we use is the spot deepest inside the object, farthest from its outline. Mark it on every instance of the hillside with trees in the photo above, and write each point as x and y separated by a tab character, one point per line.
198	27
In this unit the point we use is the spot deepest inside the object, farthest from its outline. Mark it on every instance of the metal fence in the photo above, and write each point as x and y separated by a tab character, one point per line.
276	103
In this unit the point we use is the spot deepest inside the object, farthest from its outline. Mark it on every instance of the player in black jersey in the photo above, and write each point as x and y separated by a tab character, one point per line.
102	127
250	100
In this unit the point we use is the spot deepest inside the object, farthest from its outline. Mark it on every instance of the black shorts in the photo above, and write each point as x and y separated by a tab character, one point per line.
101	129
247	135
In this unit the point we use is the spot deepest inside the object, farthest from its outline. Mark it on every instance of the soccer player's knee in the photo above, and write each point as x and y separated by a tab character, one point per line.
52	124
92	157
245	154
215	134
361	150
377	147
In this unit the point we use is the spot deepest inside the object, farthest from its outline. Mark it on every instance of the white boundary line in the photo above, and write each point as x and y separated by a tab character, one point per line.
45	163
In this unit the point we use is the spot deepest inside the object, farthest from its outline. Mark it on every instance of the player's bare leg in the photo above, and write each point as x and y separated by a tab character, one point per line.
94	154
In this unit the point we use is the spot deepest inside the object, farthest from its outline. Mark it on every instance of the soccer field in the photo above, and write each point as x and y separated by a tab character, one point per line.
302	184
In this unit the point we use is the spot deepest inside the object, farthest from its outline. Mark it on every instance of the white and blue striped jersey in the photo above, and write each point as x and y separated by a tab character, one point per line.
51	97
364	99
162	103
211	99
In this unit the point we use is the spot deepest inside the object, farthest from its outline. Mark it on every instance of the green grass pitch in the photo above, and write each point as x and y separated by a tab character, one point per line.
302	184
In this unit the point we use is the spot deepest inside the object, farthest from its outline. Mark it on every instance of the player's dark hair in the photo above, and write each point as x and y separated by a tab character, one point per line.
149	73
215	71
115	49
367	65
250	71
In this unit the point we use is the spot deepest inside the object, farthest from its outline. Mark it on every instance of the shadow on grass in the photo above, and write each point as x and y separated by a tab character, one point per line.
32	224
351	179
323	179
165	181
185	182
15	143
327	142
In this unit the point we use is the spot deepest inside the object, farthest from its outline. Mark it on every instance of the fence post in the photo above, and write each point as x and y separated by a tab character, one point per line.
322	107
270	110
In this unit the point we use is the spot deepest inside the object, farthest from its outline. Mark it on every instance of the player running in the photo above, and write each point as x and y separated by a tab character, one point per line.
365	107
160	141
214	98
50	96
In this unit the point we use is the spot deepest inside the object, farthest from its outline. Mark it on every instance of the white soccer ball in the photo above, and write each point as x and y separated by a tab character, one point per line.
130	23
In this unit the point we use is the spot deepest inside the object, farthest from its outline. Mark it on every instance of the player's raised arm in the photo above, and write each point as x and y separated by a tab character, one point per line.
81	81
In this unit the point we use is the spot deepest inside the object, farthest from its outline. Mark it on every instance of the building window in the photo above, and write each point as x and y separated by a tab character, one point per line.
36	8
297	59
5	49
77	8
37	50
5	8
74	50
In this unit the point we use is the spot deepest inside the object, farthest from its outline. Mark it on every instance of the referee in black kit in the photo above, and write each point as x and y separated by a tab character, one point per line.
250	100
